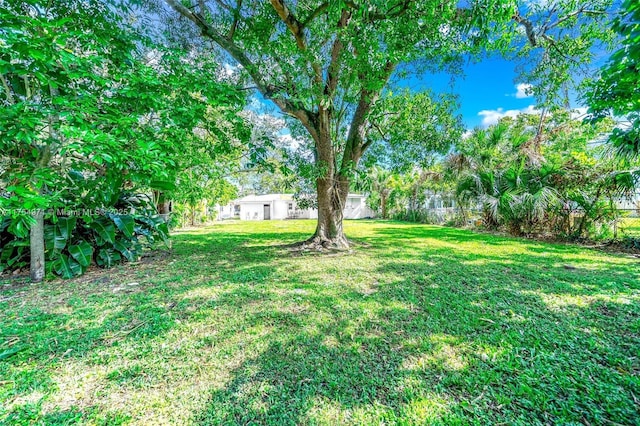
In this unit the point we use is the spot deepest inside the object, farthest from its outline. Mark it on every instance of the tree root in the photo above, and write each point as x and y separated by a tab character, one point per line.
318	244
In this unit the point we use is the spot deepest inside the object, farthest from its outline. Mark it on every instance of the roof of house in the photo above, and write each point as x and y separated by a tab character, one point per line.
277	197
265	198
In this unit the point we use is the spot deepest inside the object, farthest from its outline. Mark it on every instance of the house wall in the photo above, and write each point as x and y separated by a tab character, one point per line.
306	214
298	213
225	212
356	208
252	211
279	209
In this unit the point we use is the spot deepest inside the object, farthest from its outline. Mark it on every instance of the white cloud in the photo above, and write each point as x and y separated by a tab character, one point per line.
523	91
579	113
492	116
289	141
229	69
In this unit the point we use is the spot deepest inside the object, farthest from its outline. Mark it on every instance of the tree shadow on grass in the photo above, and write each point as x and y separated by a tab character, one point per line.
86	320
442	335
446	340
329	371
528	261
562	353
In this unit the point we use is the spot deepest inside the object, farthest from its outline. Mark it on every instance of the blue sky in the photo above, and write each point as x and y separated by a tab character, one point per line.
487	91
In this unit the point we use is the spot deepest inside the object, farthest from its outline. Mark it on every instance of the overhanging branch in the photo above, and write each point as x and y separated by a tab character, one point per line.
270	91
315	14
297	29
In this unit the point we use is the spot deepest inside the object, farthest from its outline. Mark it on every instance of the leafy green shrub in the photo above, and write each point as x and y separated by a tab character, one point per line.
535	177
73	243
631	242
14	243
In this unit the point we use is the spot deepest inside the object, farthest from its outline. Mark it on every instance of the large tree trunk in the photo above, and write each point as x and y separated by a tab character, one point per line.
326	84
331	200
36	243
332	189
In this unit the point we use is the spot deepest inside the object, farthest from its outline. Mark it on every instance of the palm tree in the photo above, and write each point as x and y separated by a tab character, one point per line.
381	184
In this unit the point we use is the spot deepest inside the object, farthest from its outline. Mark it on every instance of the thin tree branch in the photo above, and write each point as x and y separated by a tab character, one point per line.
203	7
375	126
528	27
291	21
297	29
569	16
553	44
269	91
315	14
7	90
355	139
236	18
533	35
393	12
333	70
224	5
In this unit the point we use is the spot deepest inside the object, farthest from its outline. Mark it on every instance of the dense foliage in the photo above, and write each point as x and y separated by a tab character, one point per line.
103	129
529	176
92	119
561	184
557	46
617	92
546	173
328	65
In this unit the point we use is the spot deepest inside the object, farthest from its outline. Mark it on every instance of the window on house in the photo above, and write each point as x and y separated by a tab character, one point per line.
290	206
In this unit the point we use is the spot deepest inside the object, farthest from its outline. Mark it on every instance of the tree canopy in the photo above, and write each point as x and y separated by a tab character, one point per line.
617	92
327	64
94	116
96	112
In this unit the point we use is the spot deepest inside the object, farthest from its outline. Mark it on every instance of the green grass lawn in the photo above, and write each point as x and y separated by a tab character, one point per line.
419	325
631	226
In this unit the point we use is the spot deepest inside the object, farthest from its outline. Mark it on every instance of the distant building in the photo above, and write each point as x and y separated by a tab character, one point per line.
284	206
630	205
272	207
356	207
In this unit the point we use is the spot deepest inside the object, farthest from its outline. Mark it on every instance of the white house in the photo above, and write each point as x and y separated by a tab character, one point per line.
283	206
229	211
270	207
356	207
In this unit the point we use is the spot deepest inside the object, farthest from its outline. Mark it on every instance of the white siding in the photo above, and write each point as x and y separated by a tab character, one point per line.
252	207
279	209
251	211
356	208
